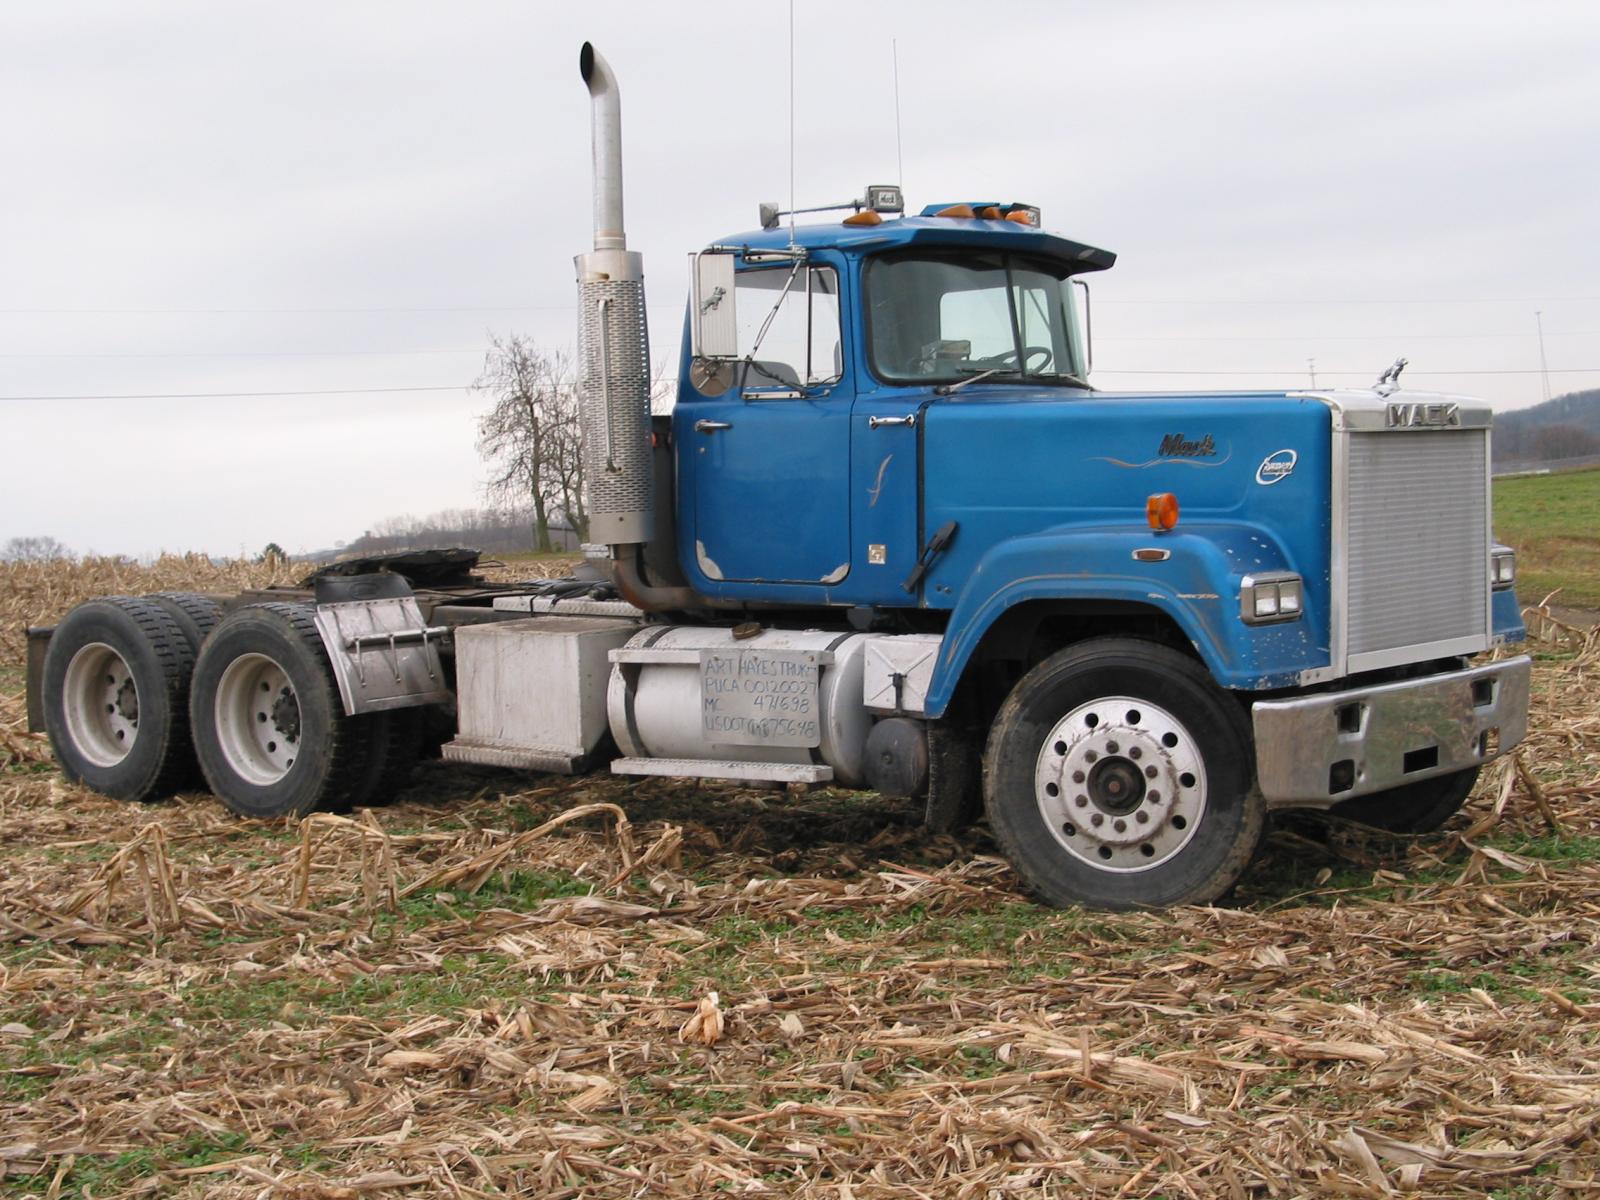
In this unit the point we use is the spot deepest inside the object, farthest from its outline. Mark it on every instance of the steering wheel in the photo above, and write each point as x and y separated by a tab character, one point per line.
1011	358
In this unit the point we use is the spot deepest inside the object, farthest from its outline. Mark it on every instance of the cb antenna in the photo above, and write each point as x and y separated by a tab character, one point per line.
791	123
899	160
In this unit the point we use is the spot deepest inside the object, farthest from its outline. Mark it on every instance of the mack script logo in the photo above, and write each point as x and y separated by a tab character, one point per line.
1175	446
1422	416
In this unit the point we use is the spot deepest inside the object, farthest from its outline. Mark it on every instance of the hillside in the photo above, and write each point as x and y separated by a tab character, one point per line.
1550	521
1565	427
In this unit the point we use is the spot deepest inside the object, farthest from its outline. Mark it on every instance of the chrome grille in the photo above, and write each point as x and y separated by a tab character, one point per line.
1417	538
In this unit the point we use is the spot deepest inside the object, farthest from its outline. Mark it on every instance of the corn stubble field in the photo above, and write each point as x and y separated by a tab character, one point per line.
595	987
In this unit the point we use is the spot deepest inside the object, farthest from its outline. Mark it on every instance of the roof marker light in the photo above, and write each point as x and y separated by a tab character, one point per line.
956	210
865	217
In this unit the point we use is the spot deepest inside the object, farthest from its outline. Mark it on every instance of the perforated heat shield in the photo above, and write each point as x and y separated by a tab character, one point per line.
614	397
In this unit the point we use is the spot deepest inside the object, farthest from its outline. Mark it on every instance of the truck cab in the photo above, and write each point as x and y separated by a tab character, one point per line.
811	422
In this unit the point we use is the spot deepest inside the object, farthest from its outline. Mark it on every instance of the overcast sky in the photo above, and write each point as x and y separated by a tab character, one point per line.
293	197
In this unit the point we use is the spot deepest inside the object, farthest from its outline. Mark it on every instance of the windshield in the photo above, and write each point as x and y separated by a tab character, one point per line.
946	316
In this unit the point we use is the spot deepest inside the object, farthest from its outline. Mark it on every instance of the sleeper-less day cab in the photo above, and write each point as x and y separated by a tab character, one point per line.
891	538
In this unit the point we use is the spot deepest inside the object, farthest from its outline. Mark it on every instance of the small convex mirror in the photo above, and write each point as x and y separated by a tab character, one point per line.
715	330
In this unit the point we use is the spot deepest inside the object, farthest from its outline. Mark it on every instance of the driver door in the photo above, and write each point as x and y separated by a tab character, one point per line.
772	452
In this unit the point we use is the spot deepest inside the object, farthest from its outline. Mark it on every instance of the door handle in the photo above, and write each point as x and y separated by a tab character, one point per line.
705	426
910	420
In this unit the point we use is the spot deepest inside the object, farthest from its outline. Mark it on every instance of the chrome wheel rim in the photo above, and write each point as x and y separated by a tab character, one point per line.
258	719
1121	784
101	704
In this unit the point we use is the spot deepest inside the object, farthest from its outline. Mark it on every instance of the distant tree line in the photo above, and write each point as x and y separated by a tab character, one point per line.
494	531
1565	427
34	549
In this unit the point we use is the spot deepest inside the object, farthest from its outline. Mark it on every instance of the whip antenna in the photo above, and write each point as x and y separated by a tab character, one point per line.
899	160
791	122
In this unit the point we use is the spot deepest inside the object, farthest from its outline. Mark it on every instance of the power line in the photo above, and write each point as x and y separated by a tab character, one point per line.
280	311
1324	371
476	352
466	308
1339	337
459	387
1195	301
1212	301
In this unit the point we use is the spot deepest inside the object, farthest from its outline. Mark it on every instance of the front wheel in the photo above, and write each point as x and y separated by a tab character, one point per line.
1119	776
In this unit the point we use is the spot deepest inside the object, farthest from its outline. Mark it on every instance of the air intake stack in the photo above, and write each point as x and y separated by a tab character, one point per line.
613	346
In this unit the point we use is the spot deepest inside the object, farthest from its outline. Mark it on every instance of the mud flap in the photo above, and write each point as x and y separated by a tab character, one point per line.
38	643
955	794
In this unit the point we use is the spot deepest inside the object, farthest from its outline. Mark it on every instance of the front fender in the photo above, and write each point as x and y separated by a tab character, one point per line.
1197	586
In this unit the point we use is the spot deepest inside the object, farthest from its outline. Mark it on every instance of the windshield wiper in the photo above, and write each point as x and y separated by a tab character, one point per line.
950	389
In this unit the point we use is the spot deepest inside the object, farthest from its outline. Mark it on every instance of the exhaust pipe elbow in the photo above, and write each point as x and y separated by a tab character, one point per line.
648	597
606	132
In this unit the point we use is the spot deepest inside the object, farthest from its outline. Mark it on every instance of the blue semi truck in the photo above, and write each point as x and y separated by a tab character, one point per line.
889	538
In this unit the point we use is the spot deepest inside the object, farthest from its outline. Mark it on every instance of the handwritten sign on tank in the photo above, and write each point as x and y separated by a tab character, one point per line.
760	697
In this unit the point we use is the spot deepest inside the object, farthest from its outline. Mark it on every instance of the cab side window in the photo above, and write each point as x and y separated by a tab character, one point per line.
788	326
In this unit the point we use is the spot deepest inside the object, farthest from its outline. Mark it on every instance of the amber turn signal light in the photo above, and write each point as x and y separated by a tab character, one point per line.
1161	510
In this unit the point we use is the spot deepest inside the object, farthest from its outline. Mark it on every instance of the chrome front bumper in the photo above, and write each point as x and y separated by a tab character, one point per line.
1315	751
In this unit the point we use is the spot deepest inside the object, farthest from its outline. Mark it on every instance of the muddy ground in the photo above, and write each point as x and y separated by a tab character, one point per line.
507	984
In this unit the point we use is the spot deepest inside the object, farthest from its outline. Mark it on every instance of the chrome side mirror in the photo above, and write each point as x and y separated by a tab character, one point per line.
714	331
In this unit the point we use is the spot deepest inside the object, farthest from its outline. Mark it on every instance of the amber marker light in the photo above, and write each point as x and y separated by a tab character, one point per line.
865	217
1161	510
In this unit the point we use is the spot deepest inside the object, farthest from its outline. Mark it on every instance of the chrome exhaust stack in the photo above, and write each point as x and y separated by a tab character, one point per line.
614	364
613	346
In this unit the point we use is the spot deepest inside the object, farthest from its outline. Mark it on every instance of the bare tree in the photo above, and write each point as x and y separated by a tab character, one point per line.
530	437
33	549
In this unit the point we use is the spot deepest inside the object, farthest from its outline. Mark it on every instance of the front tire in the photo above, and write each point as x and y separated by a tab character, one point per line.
1419	807
269	728
1119	776
115	690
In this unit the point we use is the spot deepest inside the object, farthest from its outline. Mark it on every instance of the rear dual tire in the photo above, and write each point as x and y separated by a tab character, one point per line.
270	728
115	689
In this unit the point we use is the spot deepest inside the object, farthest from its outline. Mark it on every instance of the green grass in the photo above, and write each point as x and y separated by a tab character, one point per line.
1551	521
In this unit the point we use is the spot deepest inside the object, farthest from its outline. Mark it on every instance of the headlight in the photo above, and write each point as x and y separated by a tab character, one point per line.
1502	567
1271	596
